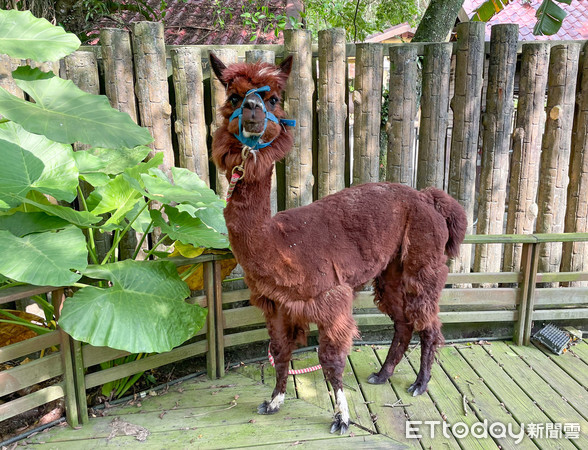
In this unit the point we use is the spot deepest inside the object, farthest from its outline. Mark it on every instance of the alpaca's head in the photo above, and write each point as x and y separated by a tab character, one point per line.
239	80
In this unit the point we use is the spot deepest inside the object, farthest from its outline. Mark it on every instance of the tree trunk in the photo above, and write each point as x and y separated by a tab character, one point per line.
438	21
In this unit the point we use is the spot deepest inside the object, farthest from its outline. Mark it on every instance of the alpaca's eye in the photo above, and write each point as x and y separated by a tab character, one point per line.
234	99
273	101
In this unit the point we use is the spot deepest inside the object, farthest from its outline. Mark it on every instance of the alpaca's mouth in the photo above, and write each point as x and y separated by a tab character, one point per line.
252	128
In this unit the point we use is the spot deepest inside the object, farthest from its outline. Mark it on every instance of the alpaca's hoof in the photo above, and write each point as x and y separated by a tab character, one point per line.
417	388
375	378
267	408
339	424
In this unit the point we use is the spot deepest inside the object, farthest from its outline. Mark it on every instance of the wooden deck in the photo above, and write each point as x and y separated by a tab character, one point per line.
497	382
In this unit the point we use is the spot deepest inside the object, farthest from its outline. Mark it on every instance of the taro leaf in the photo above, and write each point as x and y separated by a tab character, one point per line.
187	188
24	36
64	113
44	258
22	223
79	218
20	170
549	18
141	223
143	311
212	215
188	230
110	160
60	175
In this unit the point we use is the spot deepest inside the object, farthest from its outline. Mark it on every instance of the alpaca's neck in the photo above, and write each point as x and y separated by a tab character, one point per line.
248	212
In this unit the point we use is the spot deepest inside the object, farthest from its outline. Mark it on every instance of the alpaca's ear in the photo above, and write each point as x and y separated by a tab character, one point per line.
285	68
217	66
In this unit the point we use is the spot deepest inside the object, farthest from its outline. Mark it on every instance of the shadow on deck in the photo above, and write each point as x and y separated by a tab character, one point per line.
498	384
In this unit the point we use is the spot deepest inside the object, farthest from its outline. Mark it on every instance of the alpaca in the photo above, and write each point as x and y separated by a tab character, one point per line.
304	265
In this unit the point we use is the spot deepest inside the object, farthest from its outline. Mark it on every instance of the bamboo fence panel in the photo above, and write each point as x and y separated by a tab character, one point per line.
332	111
190	125
367	106
497	122
7	66
575	254
556	149
402	111
524	170
298	105
434	115
151	86
465	105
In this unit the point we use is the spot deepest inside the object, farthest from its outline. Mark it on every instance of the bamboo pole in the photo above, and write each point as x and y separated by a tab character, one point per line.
267	56
556	148
119	84
402	111
298	105
190	125
367	107
497	121
434	115
332	111
152	88
465	105
524	176
217	98
575	254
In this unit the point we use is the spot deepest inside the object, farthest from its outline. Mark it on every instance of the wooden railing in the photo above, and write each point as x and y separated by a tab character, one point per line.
507	297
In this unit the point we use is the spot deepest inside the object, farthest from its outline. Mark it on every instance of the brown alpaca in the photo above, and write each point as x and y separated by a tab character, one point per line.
304	265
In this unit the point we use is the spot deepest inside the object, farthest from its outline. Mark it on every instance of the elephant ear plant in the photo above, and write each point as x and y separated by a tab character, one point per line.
137	306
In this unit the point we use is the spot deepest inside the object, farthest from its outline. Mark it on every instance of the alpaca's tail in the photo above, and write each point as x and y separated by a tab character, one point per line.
455	217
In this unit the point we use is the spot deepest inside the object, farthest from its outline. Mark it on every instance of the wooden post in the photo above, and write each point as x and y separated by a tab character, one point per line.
119	84
211	323
575	254
190	125
434	115
117	58
217	98
556	148
298	105
332	111
402	110
524	171
367	107
219	319
529	261
269	57
466	125
152	87
497	122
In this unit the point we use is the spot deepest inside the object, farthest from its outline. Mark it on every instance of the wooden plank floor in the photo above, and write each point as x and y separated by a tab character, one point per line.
494	383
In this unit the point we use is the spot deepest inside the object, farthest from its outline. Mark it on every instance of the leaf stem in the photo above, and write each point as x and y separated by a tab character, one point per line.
150	252
191	272
147	231
92	243
81	285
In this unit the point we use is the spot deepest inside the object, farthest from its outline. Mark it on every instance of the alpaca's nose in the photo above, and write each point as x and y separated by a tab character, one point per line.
252	102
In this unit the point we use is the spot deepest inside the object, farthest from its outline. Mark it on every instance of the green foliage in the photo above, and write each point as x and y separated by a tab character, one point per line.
44	243
359	18
261	19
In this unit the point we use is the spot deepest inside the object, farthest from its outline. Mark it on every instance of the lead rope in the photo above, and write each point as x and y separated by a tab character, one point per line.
294	371
238	172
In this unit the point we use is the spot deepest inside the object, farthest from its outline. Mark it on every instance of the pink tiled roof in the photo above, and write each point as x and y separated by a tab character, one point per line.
522	12
196	22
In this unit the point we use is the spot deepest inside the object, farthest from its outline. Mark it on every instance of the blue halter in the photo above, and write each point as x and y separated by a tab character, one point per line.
253	141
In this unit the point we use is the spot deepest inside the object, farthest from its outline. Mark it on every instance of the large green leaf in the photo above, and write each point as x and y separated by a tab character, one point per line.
78	218
60	174
188	230
212	216
143	311
110	160
22	223
64	113
23	36
20	169
44	258
549	18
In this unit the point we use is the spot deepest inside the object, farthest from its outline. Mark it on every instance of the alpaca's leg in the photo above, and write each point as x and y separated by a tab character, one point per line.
282	344
333	356
389	299
431	338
